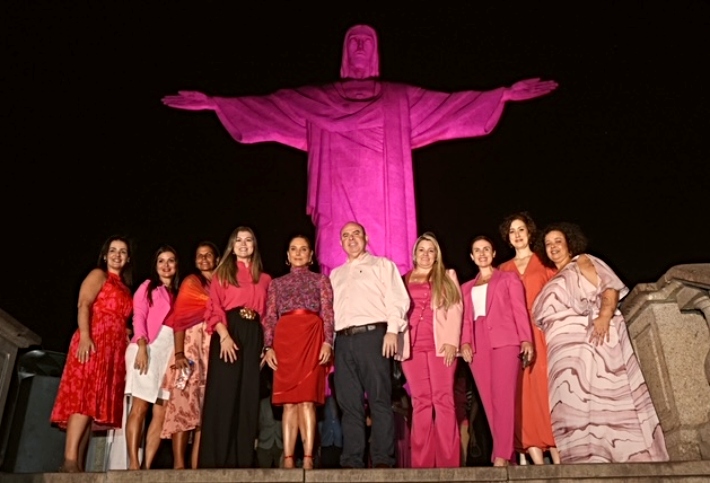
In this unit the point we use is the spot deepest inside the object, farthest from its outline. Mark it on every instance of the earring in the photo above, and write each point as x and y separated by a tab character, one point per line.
310	262
288	263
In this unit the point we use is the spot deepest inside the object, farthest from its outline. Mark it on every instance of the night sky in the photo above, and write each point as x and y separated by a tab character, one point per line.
89	150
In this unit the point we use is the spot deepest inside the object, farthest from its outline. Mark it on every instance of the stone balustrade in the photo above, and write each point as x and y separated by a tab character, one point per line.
669	325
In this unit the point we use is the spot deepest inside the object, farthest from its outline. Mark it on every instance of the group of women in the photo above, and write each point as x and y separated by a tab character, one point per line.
229	317
548	350
546	344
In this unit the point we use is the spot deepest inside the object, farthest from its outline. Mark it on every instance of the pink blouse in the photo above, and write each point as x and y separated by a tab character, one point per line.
226	297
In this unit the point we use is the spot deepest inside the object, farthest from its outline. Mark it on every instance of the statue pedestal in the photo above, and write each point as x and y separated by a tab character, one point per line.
669	326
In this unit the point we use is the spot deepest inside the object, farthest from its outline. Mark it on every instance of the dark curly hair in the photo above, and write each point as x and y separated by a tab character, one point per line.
575	238
523	216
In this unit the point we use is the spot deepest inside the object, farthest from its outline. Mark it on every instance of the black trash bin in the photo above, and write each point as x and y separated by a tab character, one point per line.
29	443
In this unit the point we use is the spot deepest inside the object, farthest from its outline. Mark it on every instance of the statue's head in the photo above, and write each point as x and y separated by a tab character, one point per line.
360	57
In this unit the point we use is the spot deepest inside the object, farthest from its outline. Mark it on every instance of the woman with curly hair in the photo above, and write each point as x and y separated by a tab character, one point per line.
533	430
601	408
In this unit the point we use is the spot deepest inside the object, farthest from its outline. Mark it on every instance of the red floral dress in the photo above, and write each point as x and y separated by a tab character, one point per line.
95	388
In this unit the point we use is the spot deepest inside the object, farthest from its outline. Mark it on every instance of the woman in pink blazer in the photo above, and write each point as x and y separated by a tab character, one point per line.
434	331
148	354
496	336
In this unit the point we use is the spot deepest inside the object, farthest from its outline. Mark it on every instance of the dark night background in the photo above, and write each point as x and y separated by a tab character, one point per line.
89	151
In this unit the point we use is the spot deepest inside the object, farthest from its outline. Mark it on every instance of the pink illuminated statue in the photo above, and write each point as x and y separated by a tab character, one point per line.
359	134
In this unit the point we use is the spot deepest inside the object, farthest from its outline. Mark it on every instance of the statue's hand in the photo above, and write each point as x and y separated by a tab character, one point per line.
189	100
529	89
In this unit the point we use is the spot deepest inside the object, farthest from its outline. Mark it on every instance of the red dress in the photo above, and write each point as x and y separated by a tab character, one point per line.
95	388
533	427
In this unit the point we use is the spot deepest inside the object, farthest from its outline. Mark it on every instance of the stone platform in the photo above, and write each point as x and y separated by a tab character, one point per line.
687	471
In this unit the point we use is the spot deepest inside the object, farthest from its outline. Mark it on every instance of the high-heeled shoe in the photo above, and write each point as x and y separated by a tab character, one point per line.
307	466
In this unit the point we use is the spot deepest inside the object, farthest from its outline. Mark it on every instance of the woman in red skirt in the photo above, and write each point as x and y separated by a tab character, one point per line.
298	338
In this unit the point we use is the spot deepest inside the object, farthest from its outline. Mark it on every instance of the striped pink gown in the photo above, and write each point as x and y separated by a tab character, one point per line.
601	408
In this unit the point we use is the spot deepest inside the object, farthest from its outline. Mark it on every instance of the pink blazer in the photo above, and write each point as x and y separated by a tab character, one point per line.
148	319
506	314
447	327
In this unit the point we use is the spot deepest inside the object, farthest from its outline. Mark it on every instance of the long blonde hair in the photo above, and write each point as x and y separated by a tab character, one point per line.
443	289
226	271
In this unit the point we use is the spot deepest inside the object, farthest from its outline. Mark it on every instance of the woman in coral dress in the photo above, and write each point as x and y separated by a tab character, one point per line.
299	323
184	408
602	411
533	429
90	394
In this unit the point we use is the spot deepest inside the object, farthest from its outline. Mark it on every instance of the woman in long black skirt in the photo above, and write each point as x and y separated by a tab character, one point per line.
237	303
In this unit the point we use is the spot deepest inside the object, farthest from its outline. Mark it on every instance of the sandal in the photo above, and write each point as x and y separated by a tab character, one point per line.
286	458
305	466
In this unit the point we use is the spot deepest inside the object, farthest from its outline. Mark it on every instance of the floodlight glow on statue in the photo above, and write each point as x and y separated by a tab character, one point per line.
359	134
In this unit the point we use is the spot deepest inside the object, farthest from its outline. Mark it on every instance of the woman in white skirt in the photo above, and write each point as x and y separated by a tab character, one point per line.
148	355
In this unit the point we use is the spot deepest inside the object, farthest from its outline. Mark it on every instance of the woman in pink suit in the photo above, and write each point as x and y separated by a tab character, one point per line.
435	331
496	335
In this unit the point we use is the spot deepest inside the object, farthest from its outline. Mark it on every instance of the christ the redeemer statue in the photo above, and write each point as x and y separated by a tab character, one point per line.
359	133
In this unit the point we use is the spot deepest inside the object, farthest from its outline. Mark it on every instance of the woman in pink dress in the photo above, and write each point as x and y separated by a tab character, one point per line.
184	408
90	394
496	335
601	408
435	330
533	429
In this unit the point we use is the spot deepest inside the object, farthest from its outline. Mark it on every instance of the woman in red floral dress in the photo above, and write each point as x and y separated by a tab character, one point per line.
90	394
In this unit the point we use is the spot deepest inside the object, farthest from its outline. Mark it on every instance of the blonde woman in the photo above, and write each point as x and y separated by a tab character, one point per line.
435	319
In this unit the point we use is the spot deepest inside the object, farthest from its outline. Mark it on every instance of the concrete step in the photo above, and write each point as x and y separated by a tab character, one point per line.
688	471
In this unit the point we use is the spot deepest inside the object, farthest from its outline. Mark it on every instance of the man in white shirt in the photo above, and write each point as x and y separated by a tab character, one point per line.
370	303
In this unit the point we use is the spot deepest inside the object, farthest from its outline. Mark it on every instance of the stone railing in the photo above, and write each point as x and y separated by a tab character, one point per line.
13	337
669	325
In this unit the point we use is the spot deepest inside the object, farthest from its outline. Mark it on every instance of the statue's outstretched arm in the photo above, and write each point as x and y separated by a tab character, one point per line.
529	89
189	100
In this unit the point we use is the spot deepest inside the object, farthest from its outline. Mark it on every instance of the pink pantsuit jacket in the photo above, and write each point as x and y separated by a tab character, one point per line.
506	314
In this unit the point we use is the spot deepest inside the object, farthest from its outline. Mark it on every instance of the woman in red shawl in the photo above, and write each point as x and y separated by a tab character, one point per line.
184	409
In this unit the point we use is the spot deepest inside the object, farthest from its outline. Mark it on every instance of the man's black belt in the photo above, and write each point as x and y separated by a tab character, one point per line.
359	329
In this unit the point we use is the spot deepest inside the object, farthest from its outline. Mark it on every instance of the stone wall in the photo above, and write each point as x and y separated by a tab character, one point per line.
669	325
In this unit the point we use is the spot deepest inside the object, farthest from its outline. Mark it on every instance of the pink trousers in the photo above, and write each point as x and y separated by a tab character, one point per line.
435	438
496	374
